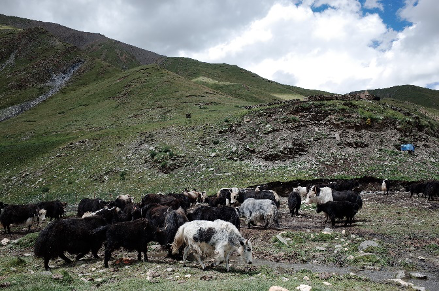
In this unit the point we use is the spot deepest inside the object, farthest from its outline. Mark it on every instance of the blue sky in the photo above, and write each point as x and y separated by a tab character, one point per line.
389	12
333	45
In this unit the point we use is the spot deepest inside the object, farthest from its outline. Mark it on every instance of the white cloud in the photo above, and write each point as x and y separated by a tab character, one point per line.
338	49
331	45
372	4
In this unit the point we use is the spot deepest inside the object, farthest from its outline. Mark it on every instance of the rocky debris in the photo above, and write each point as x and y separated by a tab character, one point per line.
418	275
407	284
57	82
5	241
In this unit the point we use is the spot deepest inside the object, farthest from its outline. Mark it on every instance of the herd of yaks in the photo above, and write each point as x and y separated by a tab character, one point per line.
210	228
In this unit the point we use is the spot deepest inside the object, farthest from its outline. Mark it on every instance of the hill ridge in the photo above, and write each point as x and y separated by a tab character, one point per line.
80	39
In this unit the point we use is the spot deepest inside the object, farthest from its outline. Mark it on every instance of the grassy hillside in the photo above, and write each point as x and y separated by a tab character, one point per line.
234	80
89	127
418	95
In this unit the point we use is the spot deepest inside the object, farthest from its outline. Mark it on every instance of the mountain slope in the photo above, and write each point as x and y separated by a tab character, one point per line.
180	123
234	80
418	95
28	60
129	56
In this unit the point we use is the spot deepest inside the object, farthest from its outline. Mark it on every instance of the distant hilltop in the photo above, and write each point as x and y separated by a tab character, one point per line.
350	96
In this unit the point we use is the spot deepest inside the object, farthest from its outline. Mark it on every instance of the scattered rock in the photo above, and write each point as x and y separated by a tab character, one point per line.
418	275
5	241
282	239
407	284
304	287
277	288
366	244
57	276
306	278
327	283
401	274
327	231
169	270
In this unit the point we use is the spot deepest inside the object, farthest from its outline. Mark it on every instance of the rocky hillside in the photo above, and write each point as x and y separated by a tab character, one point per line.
86	41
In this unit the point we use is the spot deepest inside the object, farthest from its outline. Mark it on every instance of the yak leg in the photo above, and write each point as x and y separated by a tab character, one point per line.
66	259
46	263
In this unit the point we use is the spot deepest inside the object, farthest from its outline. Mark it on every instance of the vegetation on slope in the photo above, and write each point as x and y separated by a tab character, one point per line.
425	97
234	81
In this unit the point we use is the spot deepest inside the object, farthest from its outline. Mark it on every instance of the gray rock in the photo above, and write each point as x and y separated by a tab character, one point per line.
401	274
418	275
366	244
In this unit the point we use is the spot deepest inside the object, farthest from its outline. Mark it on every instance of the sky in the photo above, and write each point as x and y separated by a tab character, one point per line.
333	45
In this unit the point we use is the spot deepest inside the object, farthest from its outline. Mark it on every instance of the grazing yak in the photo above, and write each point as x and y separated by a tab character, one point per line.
339	209
90	205
21	214
226	213
257	194
385	187
54	209
167	220
73	235
431	189
259	210
323	195
218	238
172	200
111	215
416	188
131	235
294	203
302	191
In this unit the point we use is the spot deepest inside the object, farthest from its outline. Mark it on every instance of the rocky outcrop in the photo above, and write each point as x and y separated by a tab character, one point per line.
57	82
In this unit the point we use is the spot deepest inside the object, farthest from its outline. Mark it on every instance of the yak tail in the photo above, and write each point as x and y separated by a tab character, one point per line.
179	239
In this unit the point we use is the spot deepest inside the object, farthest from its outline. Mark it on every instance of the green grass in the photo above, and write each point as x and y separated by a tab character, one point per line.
234	80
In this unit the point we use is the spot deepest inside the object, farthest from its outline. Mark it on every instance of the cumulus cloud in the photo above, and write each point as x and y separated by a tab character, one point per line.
371	4
333	45
338	48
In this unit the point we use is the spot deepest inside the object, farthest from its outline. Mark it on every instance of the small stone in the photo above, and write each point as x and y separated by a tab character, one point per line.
304	287
169	269
277	288
306	278
327	283
188	276
366	244
5	241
